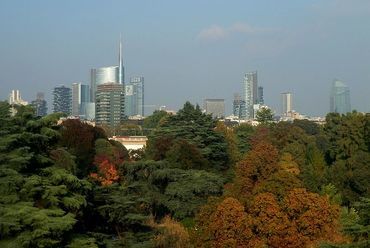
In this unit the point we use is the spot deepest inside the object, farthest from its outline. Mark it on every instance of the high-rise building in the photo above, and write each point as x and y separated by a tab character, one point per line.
340	98
62	101
260	99
286	103
80	99
215	107
110	74
134	97
15	98
250	94
238	106
40	104
110	104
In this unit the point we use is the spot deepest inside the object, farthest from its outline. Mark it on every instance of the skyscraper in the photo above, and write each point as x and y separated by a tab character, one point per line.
250	94
238	106
40	105
286	103
260	99
62	101
134	97
15	98
110	74
80	99
340	98
110	104
215	107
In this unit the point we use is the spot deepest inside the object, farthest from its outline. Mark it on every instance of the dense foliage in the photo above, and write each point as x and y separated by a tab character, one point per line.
198	183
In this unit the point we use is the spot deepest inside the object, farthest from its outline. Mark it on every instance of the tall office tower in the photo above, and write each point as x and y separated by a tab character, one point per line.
238	106
250	94
260	99
110	104
134	97
80	99
40	105
110	74
15	98
215	107
286	103
340	98
62	101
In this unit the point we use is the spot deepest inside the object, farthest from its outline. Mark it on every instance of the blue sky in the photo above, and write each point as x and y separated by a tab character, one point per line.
191	50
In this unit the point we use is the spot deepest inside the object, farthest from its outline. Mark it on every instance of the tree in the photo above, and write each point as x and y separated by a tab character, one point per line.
155	119
264	115
196	128
171	234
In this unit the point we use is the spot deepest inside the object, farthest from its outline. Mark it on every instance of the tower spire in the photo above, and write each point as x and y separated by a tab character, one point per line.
120	66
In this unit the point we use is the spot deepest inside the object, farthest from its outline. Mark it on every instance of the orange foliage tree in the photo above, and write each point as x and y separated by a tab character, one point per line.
107	173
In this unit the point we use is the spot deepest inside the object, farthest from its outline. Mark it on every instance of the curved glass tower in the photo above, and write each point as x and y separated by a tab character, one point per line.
109	74
340	98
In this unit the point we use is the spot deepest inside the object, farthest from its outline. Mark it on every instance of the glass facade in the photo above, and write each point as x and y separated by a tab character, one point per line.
340	98
134	97
80	98
40	105
103	75
250	94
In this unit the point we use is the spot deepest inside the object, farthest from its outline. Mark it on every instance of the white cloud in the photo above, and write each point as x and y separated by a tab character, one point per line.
216	32
213	33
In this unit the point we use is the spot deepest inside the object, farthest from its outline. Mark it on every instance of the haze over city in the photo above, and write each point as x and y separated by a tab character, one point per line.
191	50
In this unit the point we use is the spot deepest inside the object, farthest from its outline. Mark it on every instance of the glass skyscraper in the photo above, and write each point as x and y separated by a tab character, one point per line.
134	97
40	105
340	98
62	100
80	99
250	96
110	74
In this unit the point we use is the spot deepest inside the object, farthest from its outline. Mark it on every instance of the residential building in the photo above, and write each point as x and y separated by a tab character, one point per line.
109	104
40	104
62	100
215	107
340	98
134	97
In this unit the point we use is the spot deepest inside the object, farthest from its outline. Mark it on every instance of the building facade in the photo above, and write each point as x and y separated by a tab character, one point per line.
250	84
62	100
238	106
80	99
286	103
109	104
340	101
15	98
40	105
134	97
260	99
110	74
215	107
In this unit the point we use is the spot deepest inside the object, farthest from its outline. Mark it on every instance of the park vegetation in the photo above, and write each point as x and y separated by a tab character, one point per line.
198	183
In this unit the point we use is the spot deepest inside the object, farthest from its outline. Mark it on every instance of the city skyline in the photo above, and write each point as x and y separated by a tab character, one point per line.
301	52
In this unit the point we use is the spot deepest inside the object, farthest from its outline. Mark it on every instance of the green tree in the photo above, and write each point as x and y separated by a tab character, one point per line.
264	115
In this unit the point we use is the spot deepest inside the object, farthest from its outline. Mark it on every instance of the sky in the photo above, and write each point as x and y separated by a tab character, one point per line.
191	50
